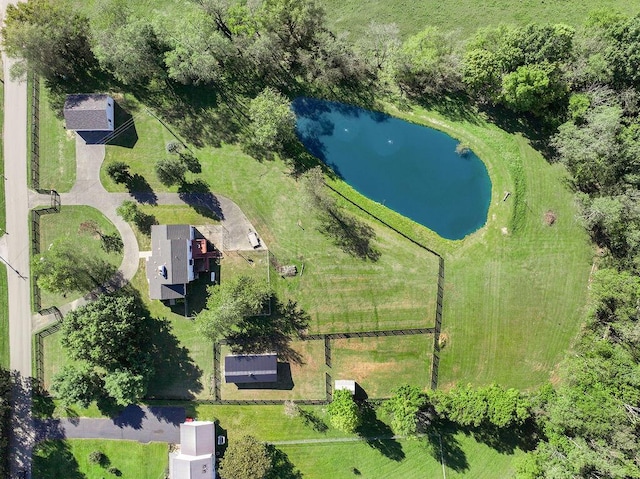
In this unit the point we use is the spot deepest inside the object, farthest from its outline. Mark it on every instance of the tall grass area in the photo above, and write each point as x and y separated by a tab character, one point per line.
462	16
70	459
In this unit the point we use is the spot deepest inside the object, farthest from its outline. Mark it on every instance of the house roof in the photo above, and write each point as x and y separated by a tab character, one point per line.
88	112
251	368
197	438
167	267
191	467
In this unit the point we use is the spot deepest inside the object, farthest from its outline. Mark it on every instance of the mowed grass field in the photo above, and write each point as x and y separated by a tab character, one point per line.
461	16
66	225
410	459
340	292
463	454
70	459
516	289
382	364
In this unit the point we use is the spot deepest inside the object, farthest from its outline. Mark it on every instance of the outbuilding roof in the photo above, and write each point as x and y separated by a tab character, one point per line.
251	368
88	112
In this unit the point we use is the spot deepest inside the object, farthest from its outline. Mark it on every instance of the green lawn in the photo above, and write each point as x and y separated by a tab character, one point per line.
184	347
404	459
140	146
4	303
69	459
514	290
461	16
57	148
379	365
66	224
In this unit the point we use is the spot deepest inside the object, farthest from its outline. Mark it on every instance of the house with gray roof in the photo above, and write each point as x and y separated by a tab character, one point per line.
171	265
178	254
89	112
195	457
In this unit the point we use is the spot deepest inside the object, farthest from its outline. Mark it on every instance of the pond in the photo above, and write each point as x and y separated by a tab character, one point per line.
409	168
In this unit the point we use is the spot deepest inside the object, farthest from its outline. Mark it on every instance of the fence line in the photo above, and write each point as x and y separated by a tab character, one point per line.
39	341
368	334
35	131
435	363
35	240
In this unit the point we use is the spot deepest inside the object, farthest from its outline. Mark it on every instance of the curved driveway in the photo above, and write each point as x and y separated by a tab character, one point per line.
88	190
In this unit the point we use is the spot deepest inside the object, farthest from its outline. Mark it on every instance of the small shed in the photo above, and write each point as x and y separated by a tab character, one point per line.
347	384
89	112
251	368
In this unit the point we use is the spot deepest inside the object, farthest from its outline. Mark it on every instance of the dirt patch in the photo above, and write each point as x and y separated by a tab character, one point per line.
550	218
360	371
504	230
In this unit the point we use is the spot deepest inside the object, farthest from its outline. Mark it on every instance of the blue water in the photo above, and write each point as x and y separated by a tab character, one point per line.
411	169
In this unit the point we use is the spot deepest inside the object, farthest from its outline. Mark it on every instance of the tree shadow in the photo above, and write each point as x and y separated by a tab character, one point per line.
506	440
42	403
378	435
281	466
197	195
537	130
140	189
144	222
191	161
261	334
454	106
312	420
175	374
351	235
170	414
445	447
131	416
54	459
125	133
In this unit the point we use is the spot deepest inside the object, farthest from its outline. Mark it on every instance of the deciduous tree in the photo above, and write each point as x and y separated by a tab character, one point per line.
343	411
51	38
77	384
171	171
230	303
245	458
403	407
272	123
